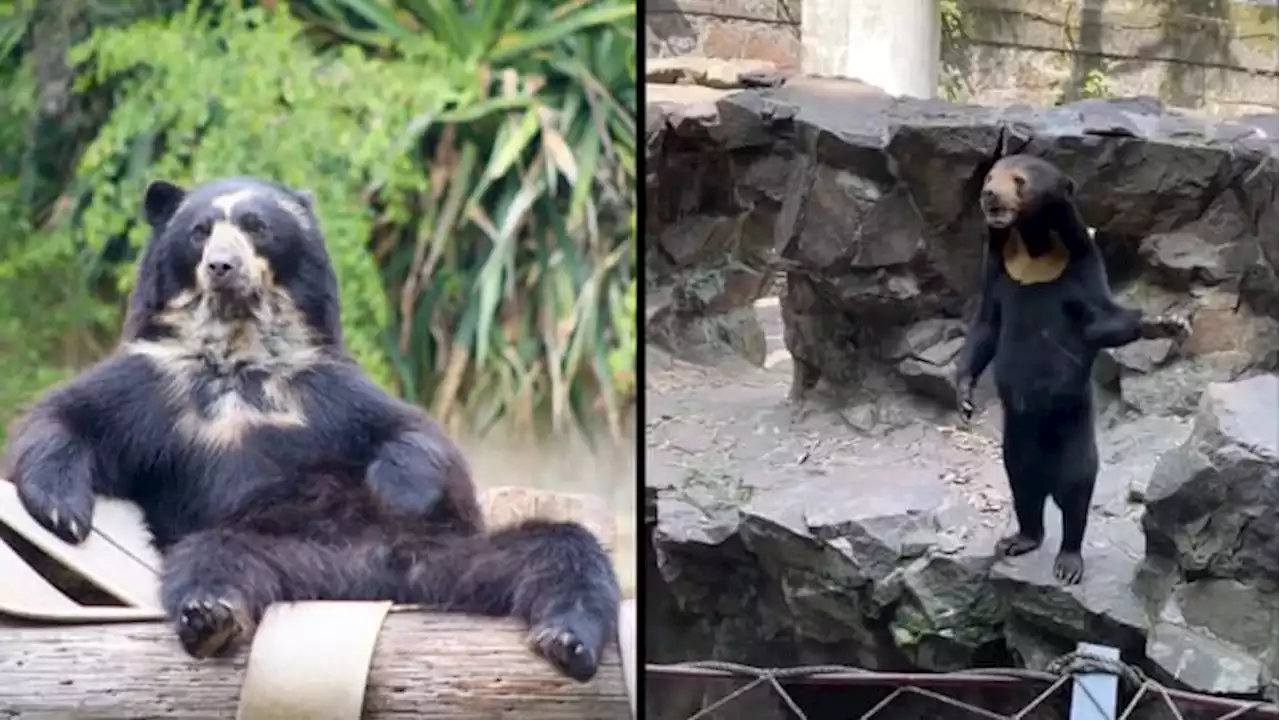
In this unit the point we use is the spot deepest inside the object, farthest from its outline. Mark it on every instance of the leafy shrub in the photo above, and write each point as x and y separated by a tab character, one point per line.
473	170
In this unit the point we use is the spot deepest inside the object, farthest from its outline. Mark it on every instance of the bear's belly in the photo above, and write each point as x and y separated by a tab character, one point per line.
211	465
1042	366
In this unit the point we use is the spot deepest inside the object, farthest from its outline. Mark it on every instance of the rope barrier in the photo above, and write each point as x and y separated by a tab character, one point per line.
1056	675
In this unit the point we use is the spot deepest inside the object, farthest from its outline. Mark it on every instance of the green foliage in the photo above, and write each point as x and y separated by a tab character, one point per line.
1095	84
542	174
951	78
42	303
473	168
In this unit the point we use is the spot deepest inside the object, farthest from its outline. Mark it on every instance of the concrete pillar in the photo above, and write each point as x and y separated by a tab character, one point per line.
892	44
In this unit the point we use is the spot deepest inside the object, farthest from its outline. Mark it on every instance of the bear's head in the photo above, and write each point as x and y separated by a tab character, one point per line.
1022	187
237	258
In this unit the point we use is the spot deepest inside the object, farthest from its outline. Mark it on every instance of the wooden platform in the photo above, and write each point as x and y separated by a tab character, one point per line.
318	660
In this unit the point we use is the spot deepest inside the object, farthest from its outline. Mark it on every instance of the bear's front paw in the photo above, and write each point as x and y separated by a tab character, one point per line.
62	508
567	645
209	625
1173	326
964	398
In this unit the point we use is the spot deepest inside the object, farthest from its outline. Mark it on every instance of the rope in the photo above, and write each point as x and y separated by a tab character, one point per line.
1055	676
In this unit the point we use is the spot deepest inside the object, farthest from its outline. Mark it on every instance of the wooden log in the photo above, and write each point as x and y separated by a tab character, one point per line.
425	665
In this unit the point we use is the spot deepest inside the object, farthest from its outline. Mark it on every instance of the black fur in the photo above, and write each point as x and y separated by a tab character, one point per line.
270	468
1044	339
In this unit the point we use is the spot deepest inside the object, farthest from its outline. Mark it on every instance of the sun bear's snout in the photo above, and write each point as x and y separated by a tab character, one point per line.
995	211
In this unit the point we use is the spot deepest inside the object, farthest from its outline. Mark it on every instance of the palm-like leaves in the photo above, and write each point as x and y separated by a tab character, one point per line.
478	159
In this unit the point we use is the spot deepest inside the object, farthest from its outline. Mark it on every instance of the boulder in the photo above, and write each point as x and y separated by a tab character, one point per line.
1212	503
714	193
870	204
1214	636
882	229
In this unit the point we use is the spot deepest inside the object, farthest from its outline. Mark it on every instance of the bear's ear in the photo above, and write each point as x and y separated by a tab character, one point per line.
160	201
307	198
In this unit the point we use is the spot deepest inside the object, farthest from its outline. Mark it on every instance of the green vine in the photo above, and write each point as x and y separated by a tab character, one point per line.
951	78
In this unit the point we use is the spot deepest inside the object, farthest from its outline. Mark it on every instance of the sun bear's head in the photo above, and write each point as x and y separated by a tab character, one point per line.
237	265
1020	187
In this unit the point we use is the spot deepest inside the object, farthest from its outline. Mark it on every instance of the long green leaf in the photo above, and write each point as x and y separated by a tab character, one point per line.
514	46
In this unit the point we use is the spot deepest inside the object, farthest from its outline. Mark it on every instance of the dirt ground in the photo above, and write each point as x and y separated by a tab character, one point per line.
734	422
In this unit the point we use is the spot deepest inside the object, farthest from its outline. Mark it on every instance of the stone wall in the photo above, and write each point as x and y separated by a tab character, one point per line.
725	29
1214	55
1211	55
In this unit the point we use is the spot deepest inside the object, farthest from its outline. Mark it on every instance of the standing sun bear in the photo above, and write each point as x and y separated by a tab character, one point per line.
1044	313
268	466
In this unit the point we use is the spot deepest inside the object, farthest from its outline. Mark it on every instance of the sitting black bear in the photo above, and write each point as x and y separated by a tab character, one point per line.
268	466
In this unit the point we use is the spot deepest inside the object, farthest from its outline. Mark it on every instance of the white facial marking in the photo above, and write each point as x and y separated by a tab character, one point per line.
227	203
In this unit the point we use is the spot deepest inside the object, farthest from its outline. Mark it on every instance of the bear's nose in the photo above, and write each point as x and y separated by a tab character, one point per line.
220	265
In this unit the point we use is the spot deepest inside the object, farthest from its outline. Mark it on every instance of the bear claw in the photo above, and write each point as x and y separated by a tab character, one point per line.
207	626
564	649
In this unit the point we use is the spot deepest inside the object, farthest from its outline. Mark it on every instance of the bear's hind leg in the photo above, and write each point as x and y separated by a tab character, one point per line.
1073	498
554	575
217	583
1030	490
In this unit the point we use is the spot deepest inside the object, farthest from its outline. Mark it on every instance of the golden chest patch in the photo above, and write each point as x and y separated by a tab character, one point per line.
1028	270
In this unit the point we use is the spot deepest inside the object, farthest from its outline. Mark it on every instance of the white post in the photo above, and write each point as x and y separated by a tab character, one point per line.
892	44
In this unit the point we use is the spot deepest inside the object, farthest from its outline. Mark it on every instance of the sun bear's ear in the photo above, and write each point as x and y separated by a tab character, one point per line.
160	201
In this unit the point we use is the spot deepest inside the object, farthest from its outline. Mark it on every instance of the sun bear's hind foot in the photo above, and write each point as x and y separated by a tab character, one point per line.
566	649
1068	568
1015	545
209	626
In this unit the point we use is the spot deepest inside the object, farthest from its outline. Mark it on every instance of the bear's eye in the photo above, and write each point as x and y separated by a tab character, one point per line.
1019	181
252	224
201	232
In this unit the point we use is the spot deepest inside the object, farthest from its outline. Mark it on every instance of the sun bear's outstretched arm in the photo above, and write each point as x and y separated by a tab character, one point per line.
983	336
414	470
58	453
1106	323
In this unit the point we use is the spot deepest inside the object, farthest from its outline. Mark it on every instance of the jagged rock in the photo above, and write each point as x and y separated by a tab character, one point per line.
709	233
881	218
1143	356
761	78
837	557
1211	636
1176	389
1104	605
1212	503
947	614
931	372
1182	260
924	335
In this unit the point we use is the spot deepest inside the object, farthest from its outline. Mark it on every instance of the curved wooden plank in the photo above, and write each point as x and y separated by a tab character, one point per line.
108	558
26	595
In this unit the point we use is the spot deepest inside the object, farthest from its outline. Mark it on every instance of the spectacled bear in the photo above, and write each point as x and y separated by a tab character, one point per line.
1044	313
267	465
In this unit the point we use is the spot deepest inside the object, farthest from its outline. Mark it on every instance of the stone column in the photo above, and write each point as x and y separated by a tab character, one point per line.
892	44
